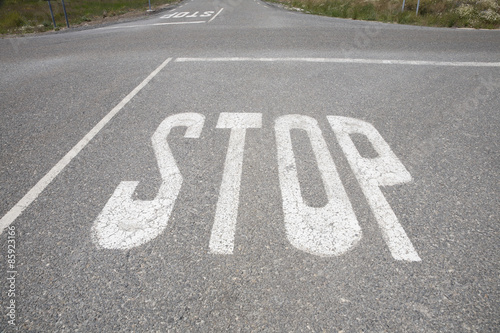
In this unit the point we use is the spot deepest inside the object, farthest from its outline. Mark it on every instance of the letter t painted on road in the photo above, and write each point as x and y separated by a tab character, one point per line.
223	230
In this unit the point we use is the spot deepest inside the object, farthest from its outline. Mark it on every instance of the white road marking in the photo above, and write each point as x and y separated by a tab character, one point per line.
181	14
329	230
150	25
35	191
223	230
175	15
383	170
121	27
216	15
169	23
207	14
125	223
345	61
324	231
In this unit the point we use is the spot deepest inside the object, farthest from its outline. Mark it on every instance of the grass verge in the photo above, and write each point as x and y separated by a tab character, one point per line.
25	16
439	13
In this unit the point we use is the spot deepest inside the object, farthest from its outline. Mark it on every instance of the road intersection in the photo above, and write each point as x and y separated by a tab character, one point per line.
233	166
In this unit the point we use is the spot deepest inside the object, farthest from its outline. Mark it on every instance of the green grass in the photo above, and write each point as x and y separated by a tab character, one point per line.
440	13
24	16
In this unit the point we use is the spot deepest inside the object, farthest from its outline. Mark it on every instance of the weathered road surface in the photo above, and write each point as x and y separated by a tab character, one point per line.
232	166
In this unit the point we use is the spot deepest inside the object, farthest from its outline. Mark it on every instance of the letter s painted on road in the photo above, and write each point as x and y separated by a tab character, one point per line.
125	223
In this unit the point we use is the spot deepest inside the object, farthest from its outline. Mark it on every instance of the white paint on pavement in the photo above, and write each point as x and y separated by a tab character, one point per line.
325	231
216	15
383	170
33	194
177	15
150	25
346	61
195	14
124	222
223	230
173	23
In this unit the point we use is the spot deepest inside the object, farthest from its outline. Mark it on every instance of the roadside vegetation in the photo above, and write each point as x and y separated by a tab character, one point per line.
439	13
26	16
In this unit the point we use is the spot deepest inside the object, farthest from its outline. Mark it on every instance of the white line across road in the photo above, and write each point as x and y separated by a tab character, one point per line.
346	61
152	25
168	23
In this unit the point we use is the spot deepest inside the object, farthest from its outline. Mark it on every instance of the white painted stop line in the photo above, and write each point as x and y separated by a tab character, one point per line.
347	61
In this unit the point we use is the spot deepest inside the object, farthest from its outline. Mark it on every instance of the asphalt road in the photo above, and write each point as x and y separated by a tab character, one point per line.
320	175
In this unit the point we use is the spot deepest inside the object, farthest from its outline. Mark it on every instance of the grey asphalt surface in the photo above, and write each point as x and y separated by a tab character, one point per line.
442	122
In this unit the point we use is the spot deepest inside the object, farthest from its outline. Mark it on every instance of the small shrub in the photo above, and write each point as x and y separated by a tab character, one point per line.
488	4
466	11
336	9
406	18
450	20
12	20
367	12
490	16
